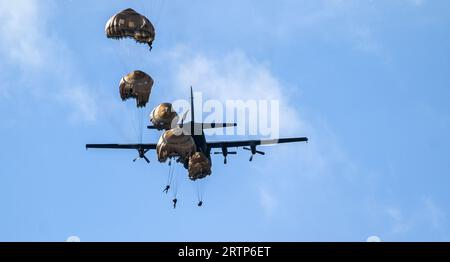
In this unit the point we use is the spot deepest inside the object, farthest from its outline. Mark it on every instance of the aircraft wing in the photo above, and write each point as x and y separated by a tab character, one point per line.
226	144
122	146
141	148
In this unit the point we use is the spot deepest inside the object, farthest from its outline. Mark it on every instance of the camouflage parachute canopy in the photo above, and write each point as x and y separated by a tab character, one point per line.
199	166
163	116
138	85
174	143
129	23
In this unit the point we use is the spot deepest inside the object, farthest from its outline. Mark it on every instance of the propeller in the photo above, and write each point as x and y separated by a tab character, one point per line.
254	151
225	155
142	153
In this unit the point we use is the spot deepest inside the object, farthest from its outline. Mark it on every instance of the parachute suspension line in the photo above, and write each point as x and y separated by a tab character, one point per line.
153	10
199	195
175	183
141	124
123	62
134	123
138	123
202	188
170	176
124	54
200	185
143	7
160	9
175	186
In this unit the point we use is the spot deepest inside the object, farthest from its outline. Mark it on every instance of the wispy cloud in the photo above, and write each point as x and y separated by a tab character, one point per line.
417	2
425	213
23	29
400	224
28	46
434	213
83	101
268	200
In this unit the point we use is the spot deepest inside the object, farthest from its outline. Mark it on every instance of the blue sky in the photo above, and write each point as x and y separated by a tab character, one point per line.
366	81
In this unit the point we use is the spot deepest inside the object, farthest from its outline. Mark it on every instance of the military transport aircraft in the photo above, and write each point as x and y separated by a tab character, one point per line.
195	130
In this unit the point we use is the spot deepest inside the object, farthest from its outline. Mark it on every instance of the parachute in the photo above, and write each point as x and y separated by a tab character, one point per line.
174	143
129	23
163	116
138	85
199	166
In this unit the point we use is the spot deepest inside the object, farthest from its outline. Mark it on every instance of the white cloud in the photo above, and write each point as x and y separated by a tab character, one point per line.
268	200
23	32
342	22
84	104
417	2
28	45
425	213
234	76
400	224
434	213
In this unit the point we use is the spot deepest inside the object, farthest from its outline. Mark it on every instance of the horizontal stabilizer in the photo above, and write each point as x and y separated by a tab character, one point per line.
217	125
